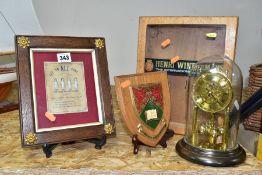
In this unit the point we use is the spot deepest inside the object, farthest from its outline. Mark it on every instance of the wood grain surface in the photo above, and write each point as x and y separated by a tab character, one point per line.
116	157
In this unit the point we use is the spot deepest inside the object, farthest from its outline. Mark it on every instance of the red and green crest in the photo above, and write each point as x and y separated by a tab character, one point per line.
149	103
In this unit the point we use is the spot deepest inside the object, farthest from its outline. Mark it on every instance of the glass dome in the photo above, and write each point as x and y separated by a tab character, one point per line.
215	89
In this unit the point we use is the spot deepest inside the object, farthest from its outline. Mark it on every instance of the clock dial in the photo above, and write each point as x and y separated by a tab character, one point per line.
212	92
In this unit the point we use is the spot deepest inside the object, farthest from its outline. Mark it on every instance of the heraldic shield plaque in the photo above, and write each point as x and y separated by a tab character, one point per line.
144	101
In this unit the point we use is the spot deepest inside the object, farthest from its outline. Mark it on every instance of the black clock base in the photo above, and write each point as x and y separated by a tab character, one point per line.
210	157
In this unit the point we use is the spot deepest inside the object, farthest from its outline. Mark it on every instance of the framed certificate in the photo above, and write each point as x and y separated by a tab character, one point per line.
64	89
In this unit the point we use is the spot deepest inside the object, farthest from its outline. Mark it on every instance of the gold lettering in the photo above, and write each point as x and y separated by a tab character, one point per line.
180	65
162	63
171	65
166	64
188	66
157	63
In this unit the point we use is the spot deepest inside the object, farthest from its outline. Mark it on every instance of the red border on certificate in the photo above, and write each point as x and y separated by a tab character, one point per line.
63	120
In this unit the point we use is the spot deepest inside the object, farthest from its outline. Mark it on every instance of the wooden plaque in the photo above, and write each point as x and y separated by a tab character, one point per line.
178	42
144	101
64	90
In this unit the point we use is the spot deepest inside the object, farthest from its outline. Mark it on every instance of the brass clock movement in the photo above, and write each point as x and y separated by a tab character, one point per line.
211	93
215	89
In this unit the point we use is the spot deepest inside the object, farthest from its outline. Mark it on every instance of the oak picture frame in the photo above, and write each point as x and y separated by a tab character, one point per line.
93	119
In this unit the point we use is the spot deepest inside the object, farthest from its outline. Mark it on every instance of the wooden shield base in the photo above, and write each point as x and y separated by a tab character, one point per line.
130	109
169	133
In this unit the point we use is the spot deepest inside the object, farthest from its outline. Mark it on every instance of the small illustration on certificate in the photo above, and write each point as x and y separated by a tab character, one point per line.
65	87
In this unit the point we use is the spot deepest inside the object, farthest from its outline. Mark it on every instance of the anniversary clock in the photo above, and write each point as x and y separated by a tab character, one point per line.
215	88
